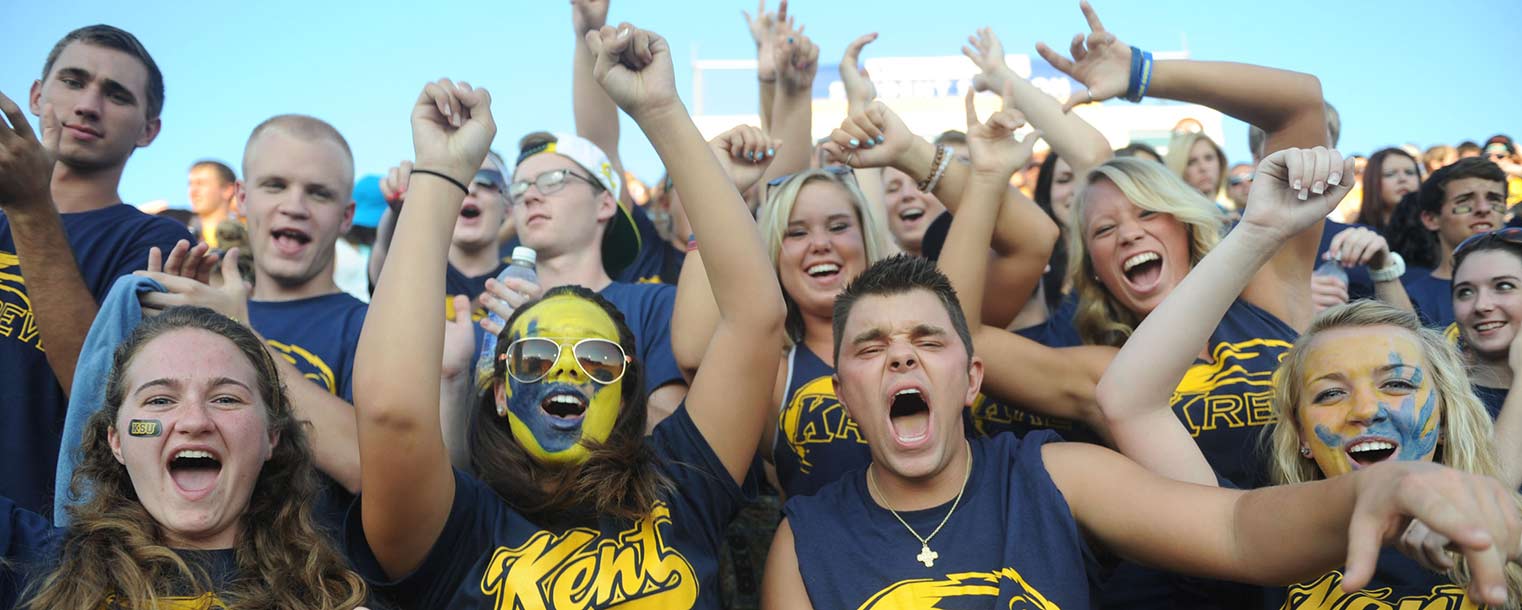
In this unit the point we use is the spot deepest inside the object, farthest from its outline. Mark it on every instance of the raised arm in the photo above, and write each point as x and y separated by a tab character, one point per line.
61	303
1136	392
1023	234
596	115
1071	137
408	484
792	113
763	31
1288	533
728	399
1287	105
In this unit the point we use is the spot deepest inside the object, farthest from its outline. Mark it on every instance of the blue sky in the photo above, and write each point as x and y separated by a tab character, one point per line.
1398	71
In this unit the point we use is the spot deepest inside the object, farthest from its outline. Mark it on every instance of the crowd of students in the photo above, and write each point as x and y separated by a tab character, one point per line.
875	371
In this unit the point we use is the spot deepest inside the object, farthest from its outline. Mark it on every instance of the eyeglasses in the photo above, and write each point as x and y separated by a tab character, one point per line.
1511	235
532	358
488	178
549	182
844	173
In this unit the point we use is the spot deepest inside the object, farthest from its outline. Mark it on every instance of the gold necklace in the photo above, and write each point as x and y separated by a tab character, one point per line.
926	555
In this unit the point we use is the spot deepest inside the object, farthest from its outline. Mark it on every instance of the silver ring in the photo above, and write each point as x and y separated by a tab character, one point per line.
1090	93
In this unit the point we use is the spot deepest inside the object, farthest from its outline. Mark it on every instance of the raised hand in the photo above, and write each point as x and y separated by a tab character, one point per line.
1475	513
763	31
859	88
1356	246
193	262
992	144
230	298
588	15
394	185
503	298
1295	188
874	137
452	128
797	60
634	67
987	53
1100	62
26	163
459	340
744	152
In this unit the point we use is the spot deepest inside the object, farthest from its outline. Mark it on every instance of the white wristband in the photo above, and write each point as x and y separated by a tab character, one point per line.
1395	266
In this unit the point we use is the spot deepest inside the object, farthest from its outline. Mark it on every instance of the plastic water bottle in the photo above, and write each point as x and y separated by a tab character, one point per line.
521	267
1332	269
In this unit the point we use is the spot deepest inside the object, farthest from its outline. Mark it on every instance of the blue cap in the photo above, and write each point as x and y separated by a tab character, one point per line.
368	201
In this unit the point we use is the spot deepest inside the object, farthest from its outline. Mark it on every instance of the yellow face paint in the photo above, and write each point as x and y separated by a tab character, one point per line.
547	437
1368	396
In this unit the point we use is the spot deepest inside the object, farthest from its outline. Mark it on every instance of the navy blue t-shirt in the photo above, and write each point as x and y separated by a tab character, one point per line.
1360	285
1058	330
1432	296
1225	403
1492	398
456	283
816	439
319	335
490	556
1012	537
647	312
107	243
1399	582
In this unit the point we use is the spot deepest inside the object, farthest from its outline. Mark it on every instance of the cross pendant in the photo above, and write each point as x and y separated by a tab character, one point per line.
926	555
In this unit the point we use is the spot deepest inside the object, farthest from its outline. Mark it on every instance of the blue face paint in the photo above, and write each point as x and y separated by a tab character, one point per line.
1405	424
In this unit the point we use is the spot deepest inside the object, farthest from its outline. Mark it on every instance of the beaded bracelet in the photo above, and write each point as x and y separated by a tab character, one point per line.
941	170
935	162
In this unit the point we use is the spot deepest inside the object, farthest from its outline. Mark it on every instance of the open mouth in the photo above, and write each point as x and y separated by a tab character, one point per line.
911	214
909	416
565	408
290	240
823	270
1368	452
1143	270
194	470
1481	227
470	210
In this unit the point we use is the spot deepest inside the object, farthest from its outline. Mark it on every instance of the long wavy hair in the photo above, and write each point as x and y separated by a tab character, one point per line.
773	218
1467	431
1057	261
113	549
1371	211
620	477
1177	159
1101	319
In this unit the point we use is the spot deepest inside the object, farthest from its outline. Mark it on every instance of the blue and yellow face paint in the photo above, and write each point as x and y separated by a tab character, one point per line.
548	438
1368	397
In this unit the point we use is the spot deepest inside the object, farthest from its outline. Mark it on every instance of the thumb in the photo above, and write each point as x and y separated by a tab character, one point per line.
462	311
51	130
1028	145
230	275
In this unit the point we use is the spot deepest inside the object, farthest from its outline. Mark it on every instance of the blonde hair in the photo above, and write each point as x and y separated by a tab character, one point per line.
1465	439
1101	319
776	211
1177	158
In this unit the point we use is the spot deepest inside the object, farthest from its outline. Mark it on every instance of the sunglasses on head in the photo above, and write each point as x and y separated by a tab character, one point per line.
1239	179
531	359
489	178
844	173
1511	235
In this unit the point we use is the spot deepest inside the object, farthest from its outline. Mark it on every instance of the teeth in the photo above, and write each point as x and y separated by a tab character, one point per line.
1370	446
565	399
193	453
1489	325
906	392
823	268
911	214
1144	257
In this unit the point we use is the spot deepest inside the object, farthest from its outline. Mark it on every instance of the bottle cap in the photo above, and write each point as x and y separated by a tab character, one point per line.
525	253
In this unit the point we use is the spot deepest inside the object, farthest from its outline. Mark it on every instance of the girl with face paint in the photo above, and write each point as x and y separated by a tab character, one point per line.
570	505
1364	384
197	487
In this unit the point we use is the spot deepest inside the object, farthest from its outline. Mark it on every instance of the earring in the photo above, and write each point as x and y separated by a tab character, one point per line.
501	410
1305	451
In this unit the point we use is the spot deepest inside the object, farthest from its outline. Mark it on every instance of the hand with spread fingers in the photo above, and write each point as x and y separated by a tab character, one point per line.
763	31
1296	188
992	144
26	163
230	299
874	137
987	53
859	88
1100	62
744	152
634	67
1476	514
452	128
195	262
797	59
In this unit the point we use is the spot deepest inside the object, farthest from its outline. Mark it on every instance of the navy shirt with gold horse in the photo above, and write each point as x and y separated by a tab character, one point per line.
490	556
1012	541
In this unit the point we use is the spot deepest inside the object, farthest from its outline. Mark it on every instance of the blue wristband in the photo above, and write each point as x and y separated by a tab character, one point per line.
1133	88
1146	76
